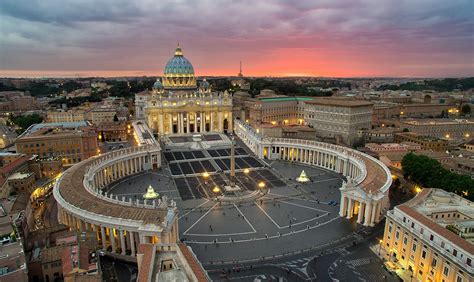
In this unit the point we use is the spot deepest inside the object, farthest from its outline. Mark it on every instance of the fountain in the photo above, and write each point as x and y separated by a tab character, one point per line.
150	193
302	178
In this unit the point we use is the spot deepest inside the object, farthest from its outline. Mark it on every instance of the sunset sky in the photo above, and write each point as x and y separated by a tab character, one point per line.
332	38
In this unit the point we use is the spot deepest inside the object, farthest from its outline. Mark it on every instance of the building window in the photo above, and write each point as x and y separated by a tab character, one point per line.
468	261
423	254
431	237
446	271
433	262
459	278
455	253
414	247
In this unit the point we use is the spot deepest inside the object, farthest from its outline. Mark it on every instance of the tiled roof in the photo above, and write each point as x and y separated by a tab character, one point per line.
14	165
340	102
376	176
146	266
73	191
193	263
438	229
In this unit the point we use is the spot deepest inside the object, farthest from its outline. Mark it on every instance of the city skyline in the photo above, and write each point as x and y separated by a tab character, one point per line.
281	38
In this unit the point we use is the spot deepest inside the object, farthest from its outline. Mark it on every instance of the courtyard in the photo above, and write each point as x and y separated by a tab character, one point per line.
286	216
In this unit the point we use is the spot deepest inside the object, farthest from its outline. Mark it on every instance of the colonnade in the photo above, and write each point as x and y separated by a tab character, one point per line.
316	157
119	169
109	238
185	122
368	211
115	234
116	239
358	196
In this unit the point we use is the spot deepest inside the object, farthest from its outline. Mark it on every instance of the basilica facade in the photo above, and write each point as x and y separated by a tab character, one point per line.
179	104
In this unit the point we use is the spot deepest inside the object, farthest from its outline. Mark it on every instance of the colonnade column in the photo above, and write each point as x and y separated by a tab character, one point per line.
360	212
104	240
171	123
112	239
161	128
220	122
373	214
132	242
212	121
122	241
351	207
368	210
343	208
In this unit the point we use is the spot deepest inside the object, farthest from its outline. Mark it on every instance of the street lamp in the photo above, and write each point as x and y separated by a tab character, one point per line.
261	185
246	171
205	174
380	246
216	189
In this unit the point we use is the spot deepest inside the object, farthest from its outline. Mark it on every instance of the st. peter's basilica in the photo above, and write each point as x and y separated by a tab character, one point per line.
177	105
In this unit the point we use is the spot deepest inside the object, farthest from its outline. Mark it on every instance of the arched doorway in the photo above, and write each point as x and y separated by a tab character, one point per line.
226	125
427	99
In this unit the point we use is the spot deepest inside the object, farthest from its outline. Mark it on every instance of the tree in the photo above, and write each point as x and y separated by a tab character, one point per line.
116	118
466	110
406	130
25	121
429	173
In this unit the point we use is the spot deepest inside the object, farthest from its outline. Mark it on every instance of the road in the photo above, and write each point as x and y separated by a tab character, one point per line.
350	259
116	270
50	214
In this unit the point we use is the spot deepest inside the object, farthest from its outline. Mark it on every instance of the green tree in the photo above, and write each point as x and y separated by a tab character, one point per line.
429	173
466	110
25	121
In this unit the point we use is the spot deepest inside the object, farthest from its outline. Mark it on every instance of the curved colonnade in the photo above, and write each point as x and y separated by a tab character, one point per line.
119	225
364	194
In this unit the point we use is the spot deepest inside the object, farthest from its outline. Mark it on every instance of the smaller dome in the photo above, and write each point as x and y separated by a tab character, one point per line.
157	85
204	83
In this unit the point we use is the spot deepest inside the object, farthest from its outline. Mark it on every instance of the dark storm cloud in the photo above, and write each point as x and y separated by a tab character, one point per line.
118	34
70	12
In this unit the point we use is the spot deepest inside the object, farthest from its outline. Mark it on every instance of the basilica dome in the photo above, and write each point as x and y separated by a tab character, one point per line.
179	72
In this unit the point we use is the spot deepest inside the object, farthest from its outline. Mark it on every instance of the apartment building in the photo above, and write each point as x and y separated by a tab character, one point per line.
426	236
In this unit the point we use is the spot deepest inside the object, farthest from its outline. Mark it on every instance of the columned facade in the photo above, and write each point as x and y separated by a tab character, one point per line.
115	234
180	106
364	194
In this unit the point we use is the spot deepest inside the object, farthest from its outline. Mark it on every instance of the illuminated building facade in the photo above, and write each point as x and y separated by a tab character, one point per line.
178	105
431	237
